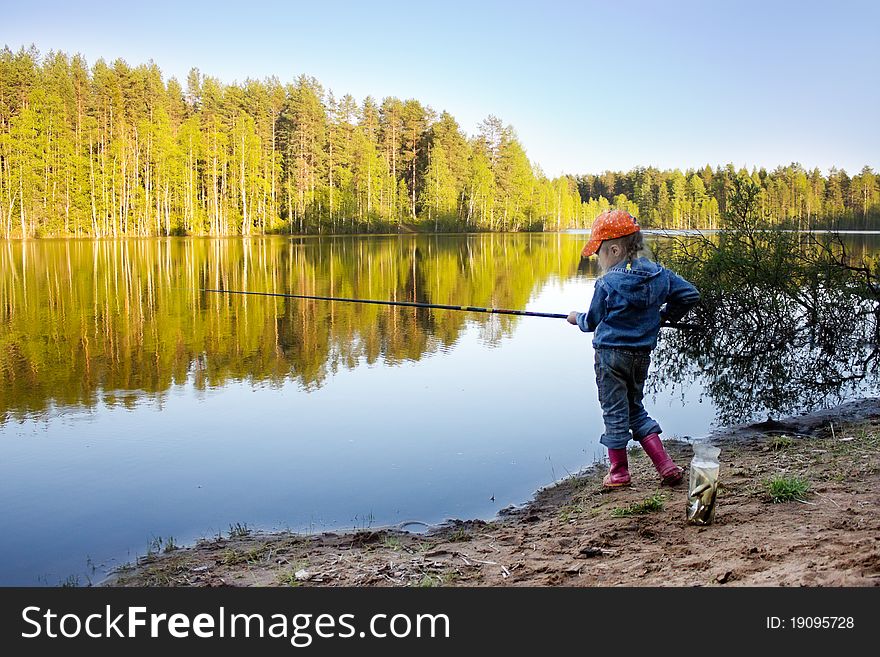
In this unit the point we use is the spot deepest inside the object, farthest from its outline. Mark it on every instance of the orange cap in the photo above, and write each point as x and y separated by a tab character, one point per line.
607	226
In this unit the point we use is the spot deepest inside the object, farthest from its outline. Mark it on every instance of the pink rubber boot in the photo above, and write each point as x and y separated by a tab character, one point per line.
618	475
670	474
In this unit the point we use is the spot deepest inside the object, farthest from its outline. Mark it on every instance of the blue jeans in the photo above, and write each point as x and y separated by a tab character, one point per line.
620	377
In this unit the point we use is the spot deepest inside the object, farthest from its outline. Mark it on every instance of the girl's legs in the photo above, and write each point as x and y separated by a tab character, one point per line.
611	382
640	423
644	428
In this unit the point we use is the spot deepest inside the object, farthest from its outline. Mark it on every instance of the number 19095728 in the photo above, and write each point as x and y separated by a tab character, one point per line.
811	623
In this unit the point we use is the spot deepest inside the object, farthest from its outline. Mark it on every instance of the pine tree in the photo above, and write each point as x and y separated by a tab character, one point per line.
439	194
390	137
414	120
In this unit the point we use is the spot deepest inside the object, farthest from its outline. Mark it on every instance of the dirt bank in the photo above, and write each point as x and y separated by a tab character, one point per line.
576	534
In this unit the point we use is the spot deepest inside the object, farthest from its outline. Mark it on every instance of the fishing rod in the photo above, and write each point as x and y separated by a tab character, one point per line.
416	304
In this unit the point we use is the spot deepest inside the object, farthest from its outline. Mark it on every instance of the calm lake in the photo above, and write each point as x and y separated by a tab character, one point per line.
136	409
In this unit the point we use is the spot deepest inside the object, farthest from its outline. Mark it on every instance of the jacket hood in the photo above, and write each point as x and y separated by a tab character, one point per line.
643	283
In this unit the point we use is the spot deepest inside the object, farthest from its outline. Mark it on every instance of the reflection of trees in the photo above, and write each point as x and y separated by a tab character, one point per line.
89	321
790	320
747	370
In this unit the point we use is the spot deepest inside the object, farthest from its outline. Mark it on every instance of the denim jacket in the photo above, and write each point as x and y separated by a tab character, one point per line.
630	302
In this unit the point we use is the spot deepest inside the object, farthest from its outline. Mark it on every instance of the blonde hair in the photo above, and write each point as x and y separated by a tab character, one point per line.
632	245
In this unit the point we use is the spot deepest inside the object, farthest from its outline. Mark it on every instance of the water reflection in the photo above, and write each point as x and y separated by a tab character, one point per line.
114	321
83	321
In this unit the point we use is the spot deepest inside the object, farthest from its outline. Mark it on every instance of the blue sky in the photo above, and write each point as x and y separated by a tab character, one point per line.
588	86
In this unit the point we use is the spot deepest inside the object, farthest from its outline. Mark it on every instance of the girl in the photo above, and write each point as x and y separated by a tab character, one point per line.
631	300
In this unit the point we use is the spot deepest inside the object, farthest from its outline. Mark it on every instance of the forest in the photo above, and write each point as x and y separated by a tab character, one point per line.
113	150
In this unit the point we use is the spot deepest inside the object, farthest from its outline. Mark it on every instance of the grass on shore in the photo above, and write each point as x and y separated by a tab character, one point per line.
648	505
783	488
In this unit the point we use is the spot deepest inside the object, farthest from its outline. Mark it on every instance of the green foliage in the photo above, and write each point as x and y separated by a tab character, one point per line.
288	578
431	580
787	196
778	443
648	505
787	318
392	542
428	582
787	488
115	151
459	536
159	544
239	530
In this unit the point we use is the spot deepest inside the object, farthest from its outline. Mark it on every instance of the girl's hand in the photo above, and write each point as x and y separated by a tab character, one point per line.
572	317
